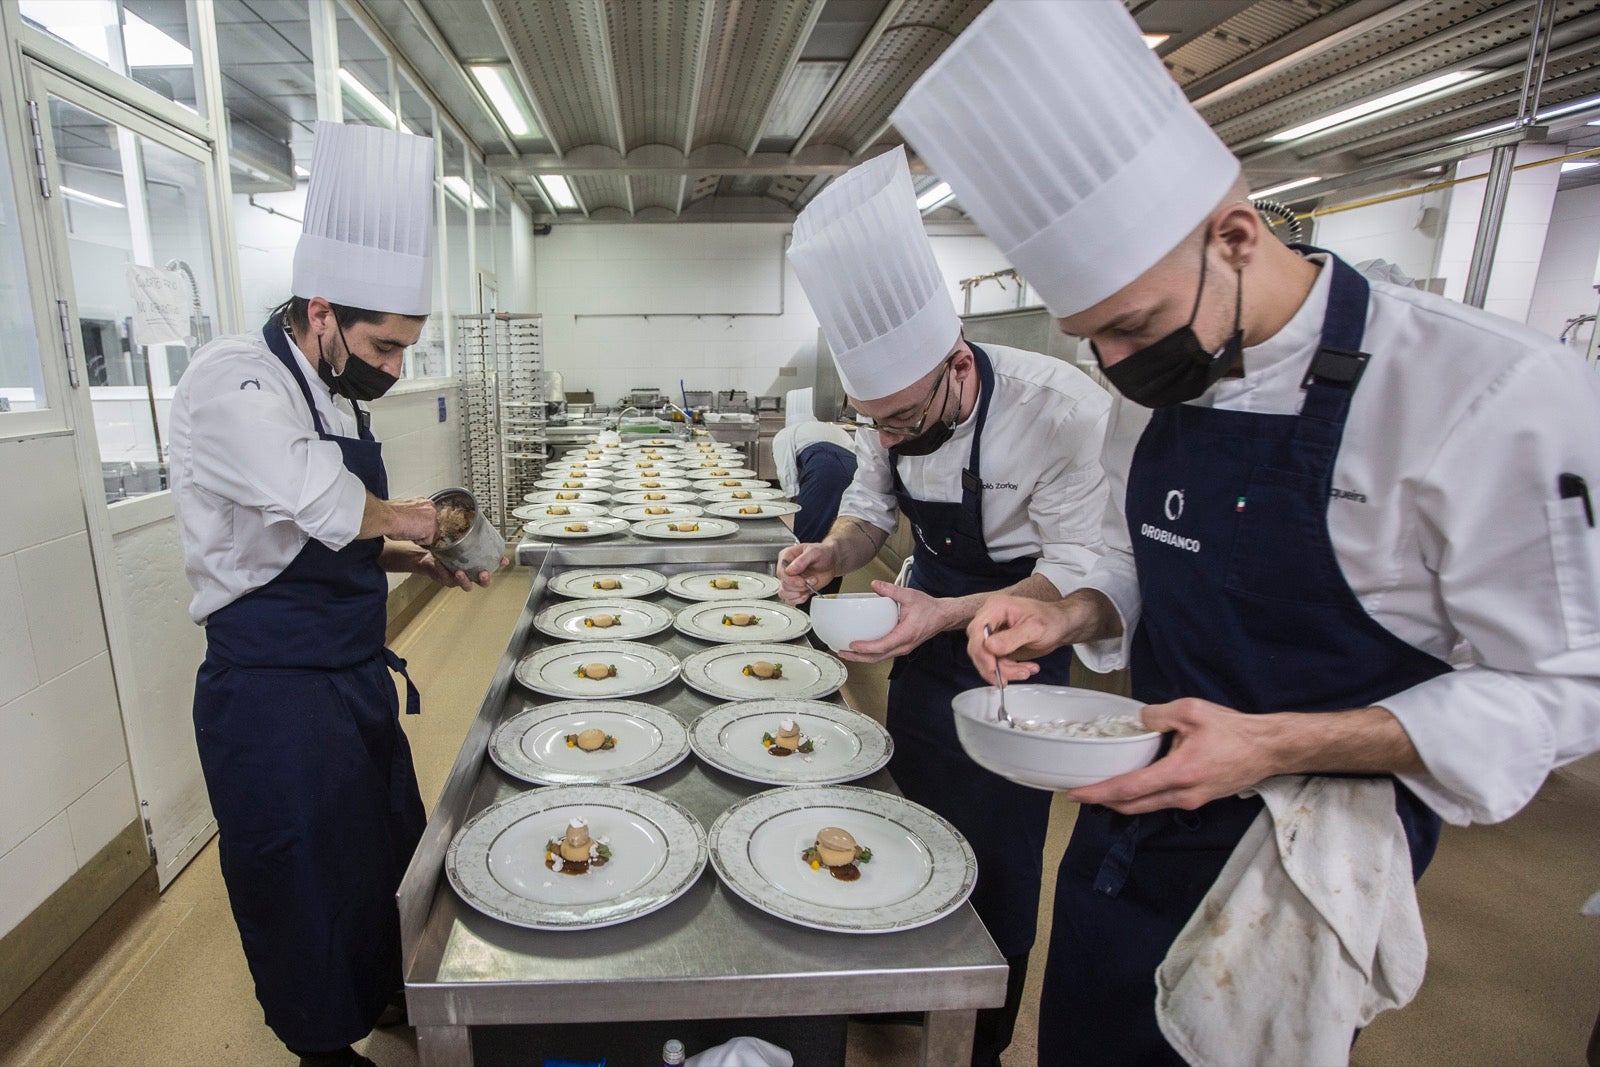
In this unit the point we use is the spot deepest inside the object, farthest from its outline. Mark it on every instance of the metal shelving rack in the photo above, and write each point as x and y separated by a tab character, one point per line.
500	366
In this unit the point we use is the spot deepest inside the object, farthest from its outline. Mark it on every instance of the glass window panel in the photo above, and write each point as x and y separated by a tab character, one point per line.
483	215
147	40
504	270
415	111
21	369
366	81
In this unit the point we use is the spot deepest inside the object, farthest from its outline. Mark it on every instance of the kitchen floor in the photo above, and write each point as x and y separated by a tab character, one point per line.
1514	973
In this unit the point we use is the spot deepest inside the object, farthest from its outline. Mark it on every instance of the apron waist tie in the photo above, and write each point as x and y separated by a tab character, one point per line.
398	666
1113	872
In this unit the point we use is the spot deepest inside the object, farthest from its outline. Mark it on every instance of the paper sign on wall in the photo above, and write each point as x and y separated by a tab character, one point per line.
161	305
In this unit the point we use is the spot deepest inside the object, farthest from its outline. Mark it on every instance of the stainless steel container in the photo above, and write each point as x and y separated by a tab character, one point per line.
480	549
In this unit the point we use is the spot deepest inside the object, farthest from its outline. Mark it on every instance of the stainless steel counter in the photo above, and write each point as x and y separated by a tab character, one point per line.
706	955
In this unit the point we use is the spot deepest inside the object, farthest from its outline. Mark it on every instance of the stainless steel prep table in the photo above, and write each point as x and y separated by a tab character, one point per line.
706	955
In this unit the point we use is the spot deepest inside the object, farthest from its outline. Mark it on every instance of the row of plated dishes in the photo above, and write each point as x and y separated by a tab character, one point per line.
596	850
655	489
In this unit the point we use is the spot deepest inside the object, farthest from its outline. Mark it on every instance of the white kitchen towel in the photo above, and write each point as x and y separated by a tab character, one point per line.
742	1052
1310	931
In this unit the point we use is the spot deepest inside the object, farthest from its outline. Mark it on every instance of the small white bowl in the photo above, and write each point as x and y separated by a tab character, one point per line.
1043	760
847	618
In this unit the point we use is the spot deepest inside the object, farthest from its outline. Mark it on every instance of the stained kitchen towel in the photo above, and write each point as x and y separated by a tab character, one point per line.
1310	931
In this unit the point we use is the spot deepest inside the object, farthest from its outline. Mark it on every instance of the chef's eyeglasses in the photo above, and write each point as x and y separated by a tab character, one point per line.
915	429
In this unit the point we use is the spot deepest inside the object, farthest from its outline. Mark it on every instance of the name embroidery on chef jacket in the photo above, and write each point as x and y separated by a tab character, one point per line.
1172	508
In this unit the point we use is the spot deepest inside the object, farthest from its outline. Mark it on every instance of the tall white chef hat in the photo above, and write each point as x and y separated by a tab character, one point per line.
1069	143
864	260
367	240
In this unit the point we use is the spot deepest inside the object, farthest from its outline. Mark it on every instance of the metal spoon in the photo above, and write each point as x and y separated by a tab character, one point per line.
998	684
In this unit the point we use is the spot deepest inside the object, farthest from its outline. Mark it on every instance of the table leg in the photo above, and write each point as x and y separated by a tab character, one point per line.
444	1046
947	1038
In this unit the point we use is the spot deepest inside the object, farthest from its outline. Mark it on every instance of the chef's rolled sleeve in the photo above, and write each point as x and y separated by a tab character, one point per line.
1068	503
870	497
251	447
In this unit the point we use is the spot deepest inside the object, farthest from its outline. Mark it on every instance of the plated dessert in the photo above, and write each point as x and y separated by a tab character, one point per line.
591	740
788	740
575	851
836	850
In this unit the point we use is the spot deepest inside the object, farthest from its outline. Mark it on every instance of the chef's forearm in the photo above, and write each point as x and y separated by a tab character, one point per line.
1362	741
377	518
960	610
400	557
854	543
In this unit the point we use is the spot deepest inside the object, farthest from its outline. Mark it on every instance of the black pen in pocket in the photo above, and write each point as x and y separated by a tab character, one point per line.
1573	487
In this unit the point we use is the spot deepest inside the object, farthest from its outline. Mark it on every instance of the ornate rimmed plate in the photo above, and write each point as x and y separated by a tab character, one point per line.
574	620
697	585
767	620
567	496
496	863
807	673
717	496
703	529
640	512
534	745
921	869
720	469
656	496
633	582
644	485
536	512
589	482
730	483
845	744
557	671
575	529
747	510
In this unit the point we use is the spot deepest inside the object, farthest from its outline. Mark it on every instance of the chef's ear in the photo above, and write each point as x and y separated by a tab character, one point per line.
319	313
1236	233
961	359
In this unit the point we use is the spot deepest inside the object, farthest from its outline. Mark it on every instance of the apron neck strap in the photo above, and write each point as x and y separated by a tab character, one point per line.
1339	363
277	339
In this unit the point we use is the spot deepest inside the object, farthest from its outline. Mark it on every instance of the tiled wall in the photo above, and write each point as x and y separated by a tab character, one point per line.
1522	232
65	789
1567	272
727	274
1405	232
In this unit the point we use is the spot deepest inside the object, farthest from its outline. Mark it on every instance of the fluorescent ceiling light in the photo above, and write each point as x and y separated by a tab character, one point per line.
458	187
1567	109
802	94
146	46
89	198
370	101
496	83
301	172
933	196
559	191
1155	40
1285	187
1373	106
1578	164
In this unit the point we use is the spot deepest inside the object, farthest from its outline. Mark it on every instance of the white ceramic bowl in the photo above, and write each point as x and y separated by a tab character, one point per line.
1043	760
849	617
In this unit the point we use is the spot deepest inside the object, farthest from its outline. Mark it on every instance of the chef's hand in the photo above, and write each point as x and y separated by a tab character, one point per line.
429	564
1019	630
921	616
1215	752
414	520
799	564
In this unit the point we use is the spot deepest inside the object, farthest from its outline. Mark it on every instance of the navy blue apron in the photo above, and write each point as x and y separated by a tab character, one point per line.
929	764
1244	604
310	775
825	470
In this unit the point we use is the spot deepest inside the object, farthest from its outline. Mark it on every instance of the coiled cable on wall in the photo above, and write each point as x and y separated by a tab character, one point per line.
1280	219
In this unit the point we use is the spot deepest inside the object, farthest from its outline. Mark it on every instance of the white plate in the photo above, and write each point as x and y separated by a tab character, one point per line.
496	861
572	483
725	494
644	485
846	744
640	668
706	528
567	496
667	496
720	470
578	464
636	582
921	870
556	529
807	673
770	509
533	745
535	512
696	585
640	512
738	483
775	622
638	619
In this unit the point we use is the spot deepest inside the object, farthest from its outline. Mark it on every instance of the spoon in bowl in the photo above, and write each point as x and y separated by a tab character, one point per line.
998	684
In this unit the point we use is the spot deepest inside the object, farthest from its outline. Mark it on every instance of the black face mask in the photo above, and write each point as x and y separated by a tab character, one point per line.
1177	368
359	380
930	440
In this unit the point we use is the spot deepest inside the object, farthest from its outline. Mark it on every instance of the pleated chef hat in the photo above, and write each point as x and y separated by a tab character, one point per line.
863	258
367	240
1069	143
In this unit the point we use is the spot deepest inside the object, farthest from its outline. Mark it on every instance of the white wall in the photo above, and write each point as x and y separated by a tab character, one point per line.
1522	232
1404	232
696	301
1565	287
65	790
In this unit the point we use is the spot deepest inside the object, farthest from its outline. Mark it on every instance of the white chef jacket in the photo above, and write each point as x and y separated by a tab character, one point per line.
251	480
1447	524
793	440
1043	489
